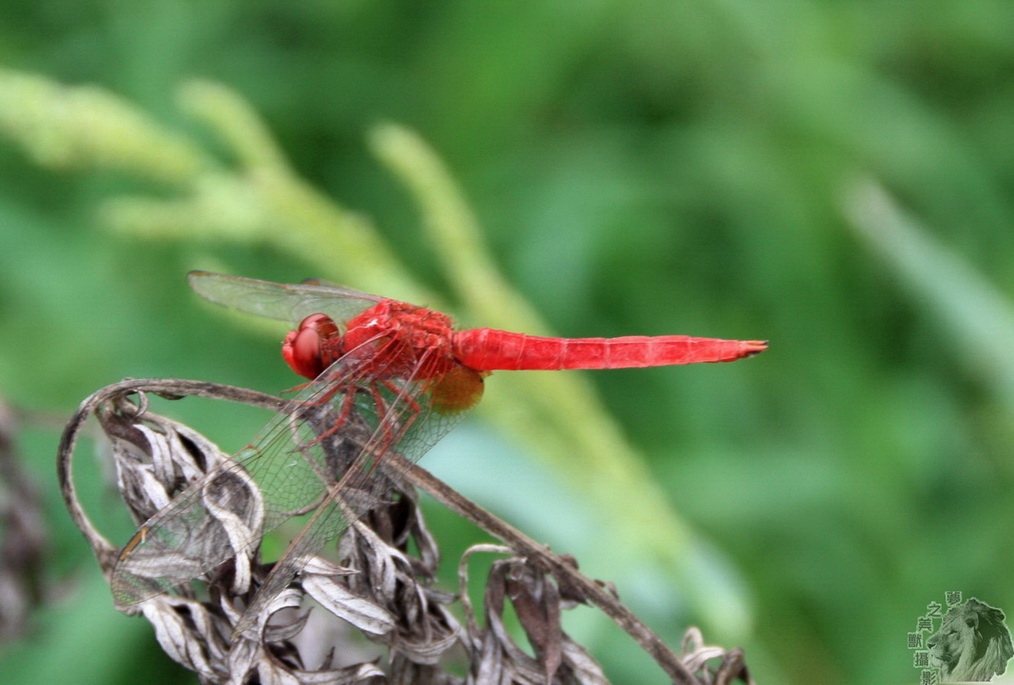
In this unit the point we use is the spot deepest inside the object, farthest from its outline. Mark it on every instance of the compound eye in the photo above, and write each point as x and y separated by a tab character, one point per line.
304	349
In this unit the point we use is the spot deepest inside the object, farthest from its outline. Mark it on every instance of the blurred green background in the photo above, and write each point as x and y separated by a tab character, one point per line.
836	177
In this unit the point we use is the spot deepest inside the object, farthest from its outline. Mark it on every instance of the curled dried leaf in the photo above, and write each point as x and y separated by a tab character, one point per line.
713	665
373	584
538	606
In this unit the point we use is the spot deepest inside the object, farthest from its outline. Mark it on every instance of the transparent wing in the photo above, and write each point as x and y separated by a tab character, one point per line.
320	452
291	303
417	414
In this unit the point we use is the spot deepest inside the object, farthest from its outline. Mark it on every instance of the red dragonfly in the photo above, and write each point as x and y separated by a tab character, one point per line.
384	376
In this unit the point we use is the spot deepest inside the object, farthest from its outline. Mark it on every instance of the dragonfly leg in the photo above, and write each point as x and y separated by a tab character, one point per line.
347	403
382	409
378	402
395	390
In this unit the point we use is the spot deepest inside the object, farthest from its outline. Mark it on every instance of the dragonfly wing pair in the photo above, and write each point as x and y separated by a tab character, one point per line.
319	454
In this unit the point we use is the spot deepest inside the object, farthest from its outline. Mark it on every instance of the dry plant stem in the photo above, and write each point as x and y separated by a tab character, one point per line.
560	567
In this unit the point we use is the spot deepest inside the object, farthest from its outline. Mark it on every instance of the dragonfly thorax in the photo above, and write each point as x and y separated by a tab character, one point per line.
397	336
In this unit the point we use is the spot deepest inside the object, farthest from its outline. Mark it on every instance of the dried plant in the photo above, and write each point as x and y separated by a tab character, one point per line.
380	582
23	538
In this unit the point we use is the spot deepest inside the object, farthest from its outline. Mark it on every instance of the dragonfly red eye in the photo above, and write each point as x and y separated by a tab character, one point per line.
304	349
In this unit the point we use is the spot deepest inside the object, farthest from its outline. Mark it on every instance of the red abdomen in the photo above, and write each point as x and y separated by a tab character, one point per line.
488	349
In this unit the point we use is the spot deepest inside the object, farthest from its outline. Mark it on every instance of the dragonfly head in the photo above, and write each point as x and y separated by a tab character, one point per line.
313	346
